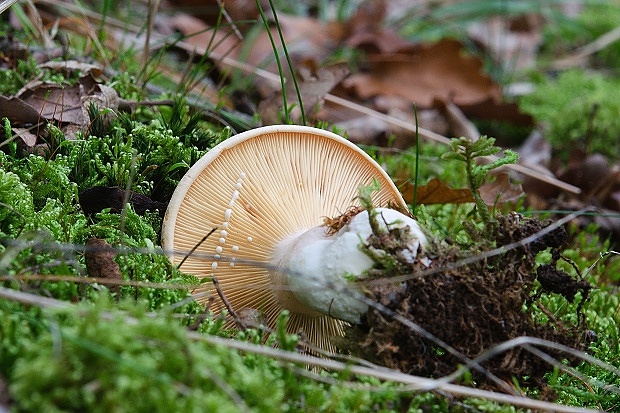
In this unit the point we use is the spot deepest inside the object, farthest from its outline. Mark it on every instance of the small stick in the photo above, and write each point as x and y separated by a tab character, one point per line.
231	311
195	247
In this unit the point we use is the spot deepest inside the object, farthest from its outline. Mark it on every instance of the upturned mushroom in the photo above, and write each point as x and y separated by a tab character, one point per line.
268	191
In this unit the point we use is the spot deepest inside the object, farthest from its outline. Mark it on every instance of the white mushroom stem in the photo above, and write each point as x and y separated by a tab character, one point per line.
315	269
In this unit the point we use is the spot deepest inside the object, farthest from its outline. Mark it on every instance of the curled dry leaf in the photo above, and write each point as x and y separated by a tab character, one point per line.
423	73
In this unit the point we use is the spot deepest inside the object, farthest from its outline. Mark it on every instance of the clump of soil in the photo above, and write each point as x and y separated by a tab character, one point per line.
472	308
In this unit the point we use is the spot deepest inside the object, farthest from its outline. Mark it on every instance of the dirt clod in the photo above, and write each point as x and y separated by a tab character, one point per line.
472	308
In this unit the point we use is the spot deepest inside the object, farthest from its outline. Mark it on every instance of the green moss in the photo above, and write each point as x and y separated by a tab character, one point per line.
98	358
596	19
579	111
96	362
16	204
12	80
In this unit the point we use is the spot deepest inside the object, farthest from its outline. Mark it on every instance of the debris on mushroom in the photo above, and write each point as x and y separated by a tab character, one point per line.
318	267
268	192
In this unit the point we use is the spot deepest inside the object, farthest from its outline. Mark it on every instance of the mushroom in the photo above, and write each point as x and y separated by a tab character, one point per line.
268	191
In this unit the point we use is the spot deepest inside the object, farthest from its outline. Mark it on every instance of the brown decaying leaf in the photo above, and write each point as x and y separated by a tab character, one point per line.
313	82
238	11
423	73
18	111
500	190
365	29
434	192
304	37
68	103
55	102
99	259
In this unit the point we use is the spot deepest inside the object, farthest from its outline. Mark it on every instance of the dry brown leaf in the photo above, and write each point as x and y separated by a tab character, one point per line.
434	192
18	111
28	138
203	37
423	73
305	38
56	102
500	191
69	104
238	11
70	67
313	82
365	30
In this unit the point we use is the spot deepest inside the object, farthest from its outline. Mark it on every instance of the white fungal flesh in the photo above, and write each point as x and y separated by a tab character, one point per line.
315	266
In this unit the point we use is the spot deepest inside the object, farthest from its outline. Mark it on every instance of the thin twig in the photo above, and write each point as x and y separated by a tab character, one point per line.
196	247
229	308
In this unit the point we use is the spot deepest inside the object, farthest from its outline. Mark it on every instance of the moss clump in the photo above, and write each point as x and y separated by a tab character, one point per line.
579	111
97	360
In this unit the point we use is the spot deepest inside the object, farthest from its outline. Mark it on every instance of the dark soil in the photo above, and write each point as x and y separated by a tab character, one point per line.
472	308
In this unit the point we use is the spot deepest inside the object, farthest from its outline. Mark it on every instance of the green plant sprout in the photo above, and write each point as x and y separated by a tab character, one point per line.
468	151
364	195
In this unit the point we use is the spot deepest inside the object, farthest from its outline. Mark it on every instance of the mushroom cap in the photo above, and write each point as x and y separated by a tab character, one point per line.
258	188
